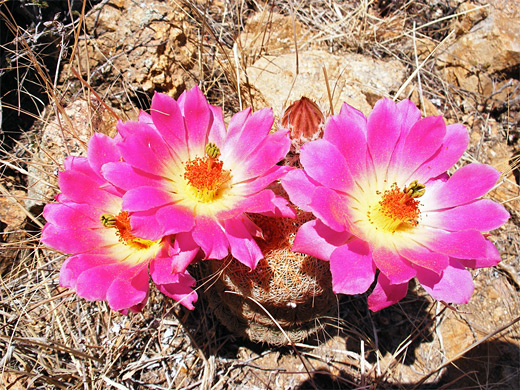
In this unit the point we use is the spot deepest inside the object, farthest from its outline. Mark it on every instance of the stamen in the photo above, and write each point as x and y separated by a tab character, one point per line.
121	223
397	209
205	176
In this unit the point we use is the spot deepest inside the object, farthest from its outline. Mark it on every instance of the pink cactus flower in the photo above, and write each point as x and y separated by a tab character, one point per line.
186	174
109	261
383	200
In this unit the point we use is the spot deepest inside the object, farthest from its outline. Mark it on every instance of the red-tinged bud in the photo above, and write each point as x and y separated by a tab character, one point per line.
305	120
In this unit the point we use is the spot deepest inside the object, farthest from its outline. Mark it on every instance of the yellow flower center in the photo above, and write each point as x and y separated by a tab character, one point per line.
121	223
396	209
205	177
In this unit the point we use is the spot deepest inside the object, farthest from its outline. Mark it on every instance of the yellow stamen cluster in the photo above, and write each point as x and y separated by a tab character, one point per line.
397	209
204	175
121	223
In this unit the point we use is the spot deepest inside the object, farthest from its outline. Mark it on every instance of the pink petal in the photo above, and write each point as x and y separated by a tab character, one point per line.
386	294
80	188
347	131
396	268
145	198
71	240
352	268
76	265
81	165
167	117
94	283
423	140
466	184
453	146
101	150
245	137
466	244
208	234
250	187
197	118
161	268
181	290
316	239
175	219
383	131
261	202
324	163
126	177
186	250
300	187
72	215
269	152
454	285
422	256
491	258
218	131
482	215
410	114
129	289
144	225
328	206
146	150
282	208
243	247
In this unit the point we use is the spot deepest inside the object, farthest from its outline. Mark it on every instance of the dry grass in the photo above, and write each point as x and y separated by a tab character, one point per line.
49	338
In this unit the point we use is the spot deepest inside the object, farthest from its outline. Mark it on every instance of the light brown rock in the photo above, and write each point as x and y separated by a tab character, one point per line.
353	78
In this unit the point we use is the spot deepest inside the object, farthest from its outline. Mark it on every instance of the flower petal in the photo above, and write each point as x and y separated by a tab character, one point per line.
80	188
453	146
482	215
167	118
466	184
324	163
181	290
328	206
316	239
423	140
76	265
352	268
68	214
454	285
126	177
419	255
347	131
386	293
300	187
129	289
175	219
208	234
491	258
383	132
145	198
396	268
94	283
243	247
70	239
101	150
186	250
466	244
198	119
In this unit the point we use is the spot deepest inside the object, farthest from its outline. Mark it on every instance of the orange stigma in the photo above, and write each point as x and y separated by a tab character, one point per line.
205	176
397	208
121	223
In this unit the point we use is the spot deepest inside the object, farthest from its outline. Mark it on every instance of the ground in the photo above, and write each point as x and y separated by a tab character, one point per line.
70	69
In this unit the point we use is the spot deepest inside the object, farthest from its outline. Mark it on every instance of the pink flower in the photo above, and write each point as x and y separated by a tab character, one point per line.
383	200
110	262
186	174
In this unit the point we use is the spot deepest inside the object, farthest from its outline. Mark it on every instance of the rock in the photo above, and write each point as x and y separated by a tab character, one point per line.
65	135
11	212
353	78
491	47
145	43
